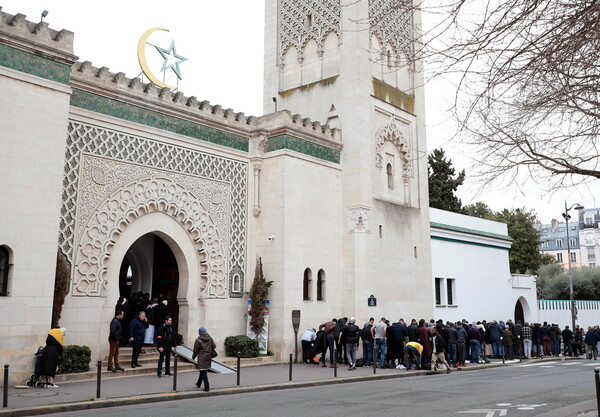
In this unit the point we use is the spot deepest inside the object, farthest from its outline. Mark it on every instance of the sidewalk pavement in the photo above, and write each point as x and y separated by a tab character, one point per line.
128	390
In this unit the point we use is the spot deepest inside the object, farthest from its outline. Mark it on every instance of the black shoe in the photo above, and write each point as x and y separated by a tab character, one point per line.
158	375
448	370
205	390
133	365
111	369
138	365
198	385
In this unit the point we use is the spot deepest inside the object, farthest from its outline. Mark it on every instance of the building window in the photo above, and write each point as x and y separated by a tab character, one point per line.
573	242
390	176
545	244
573	257
307	285
559	243
589	239
438	291
559	258
4	265
321	285
589	221
389	59
591	255
450	284
236	285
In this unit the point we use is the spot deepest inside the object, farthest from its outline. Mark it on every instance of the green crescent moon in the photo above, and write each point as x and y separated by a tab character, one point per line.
141	53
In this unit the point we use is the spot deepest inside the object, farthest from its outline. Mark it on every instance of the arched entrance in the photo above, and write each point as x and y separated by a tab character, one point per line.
149	270
522	310
519	315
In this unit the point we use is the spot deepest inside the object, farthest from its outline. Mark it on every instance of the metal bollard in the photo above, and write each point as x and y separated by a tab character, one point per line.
290	367
239	360
597	377
99	379
5	391
335	363
374	362
175	369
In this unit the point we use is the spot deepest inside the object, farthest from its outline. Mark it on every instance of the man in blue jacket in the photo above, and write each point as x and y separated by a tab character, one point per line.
137	330
591	340
165	340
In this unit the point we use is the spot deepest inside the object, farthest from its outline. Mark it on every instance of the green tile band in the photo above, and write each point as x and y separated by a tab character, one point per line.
435	225
303	146
115	108
34	64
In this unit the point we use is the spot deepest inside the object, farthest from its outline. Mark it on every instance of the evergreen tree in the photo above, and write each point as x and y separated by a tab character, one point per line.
443	182
524	253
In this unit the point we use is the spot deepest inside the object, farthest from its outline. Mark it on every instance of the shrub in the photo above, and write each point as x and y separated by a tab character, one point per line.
75	359
247	346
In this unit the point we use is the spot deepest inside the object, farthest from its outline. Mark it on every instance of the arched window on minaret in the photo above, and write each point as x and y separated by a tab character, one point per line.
307	285
390	176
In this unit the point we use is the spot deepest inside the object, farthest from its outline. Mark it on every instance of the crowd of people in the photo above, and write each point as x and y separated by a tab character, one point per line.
422	344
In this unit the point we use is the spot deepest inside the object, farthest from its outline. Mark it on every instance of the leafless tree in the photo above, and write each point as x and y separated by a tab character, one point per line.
527	77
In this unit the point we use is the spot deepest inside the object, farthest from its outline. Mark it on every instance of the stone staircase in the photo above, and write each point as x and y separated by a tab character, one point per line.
149	360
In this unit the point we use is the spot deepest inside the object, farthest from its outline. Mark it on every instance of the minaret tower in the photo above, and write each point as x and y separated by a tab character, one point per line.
346	63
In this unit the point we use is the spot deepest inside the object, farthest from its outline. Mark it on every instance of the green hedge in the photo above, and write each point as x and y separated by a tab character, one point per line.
74	359
247	347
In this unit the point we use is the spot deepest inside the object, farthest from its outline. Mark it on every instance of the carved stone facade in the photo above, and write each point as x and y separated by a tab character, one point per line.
113	194
392	23
358	219
302	20
390	132
113	178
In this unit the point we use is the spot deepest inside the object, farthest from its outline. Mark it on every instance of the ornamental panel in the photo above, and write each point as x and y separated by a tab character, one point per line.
392	23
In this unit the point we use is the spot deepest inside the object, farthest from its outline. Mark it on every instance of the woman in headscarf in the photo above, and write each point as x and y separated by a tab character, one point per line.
203	349
50	354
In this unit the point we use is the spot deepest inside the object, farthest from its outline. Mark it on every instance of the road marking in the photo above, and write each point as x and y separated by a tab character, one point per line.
569	363
488	412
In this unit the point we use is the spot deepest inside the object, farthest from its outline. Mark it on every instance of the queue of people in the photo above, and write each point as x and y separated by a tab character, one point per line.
423	345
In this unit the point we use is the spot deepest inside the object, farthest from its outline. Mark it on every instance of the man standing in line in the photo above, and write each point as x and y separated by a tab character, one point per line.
367	337
378	332
438	346
526	336
328	327
400	336
567	336
591	340
350	333
137	329
165	340
114	337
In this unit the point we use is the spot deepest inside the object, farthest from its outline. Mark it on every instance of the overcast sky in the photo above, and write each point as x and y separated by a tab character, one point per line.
223	41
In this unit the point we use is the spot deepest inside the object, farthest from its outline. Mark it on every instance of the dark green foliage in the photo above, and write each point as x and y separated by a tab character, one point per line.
553	283
247	346
480	210
61	287
443	182
524	254
259	293
75	359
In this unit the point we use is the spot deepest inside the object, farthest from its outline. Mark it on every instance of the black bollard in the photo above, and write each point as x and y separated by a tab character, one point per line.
335	363
174	369
596	371
290	367
5	391
99	379
374	363
239	360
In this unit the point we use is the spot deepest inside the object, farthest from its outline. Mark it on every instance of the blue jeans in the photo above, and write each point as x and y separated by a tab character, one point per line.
330	345
497	348
475	351
555	347
568	348
367	352
380	353
451	353
410	351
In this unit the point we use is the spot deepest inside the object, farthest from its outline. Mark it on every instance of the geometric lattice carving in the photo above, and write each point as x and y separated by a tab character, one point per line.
392	23
301	20
125	205
175	163
391	132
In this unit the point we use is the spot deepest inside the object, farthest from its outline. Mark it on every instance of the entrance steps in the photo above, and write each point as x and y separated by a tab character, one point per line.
149	360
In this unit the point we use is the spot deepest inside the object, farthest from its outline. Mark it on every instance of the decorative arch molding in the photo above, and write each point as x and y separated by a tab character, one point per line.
390	132
130	202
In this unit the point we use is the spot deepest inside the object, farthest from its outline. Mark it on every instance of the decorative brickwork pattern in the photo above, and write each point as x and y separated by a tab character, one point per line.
392	23
301	20
218	183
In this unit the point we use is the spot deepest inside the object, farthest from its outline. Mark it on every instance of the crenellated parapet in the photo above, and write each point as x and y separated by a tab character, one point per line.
18	32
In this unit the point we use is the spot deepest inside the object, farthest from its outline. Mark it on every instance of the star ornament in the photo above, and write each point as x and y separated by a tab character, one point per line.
171	59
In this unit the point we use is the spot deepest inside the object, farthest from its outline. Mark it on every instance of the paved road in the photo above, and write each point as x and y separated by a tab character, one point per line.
558	389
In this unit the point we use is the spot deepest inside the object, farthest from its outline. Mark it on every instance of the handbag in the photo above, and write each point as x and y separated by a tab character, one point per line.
214	354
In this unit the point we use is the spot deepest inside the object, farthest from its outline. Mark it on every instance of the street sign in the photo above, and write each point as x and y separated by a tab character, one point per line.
296	324
372	301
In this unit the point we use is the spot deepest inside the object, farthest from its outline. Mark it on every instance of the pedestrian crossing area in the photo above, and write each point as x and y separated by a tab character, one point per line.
573	363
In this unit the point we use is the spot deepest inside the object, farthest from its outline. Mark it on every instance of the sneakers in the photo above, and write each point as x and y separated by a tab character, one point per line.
323	365
400	367
51	385
331	366
352	367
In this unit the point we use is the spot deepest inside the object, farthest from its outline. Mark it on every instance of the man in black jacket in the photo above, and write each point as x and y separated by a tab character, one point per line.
114	337
165	340
350	333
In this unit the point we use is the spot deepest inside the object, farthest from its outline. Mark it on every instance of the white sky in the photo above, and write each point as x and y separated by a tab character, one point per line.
223	41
